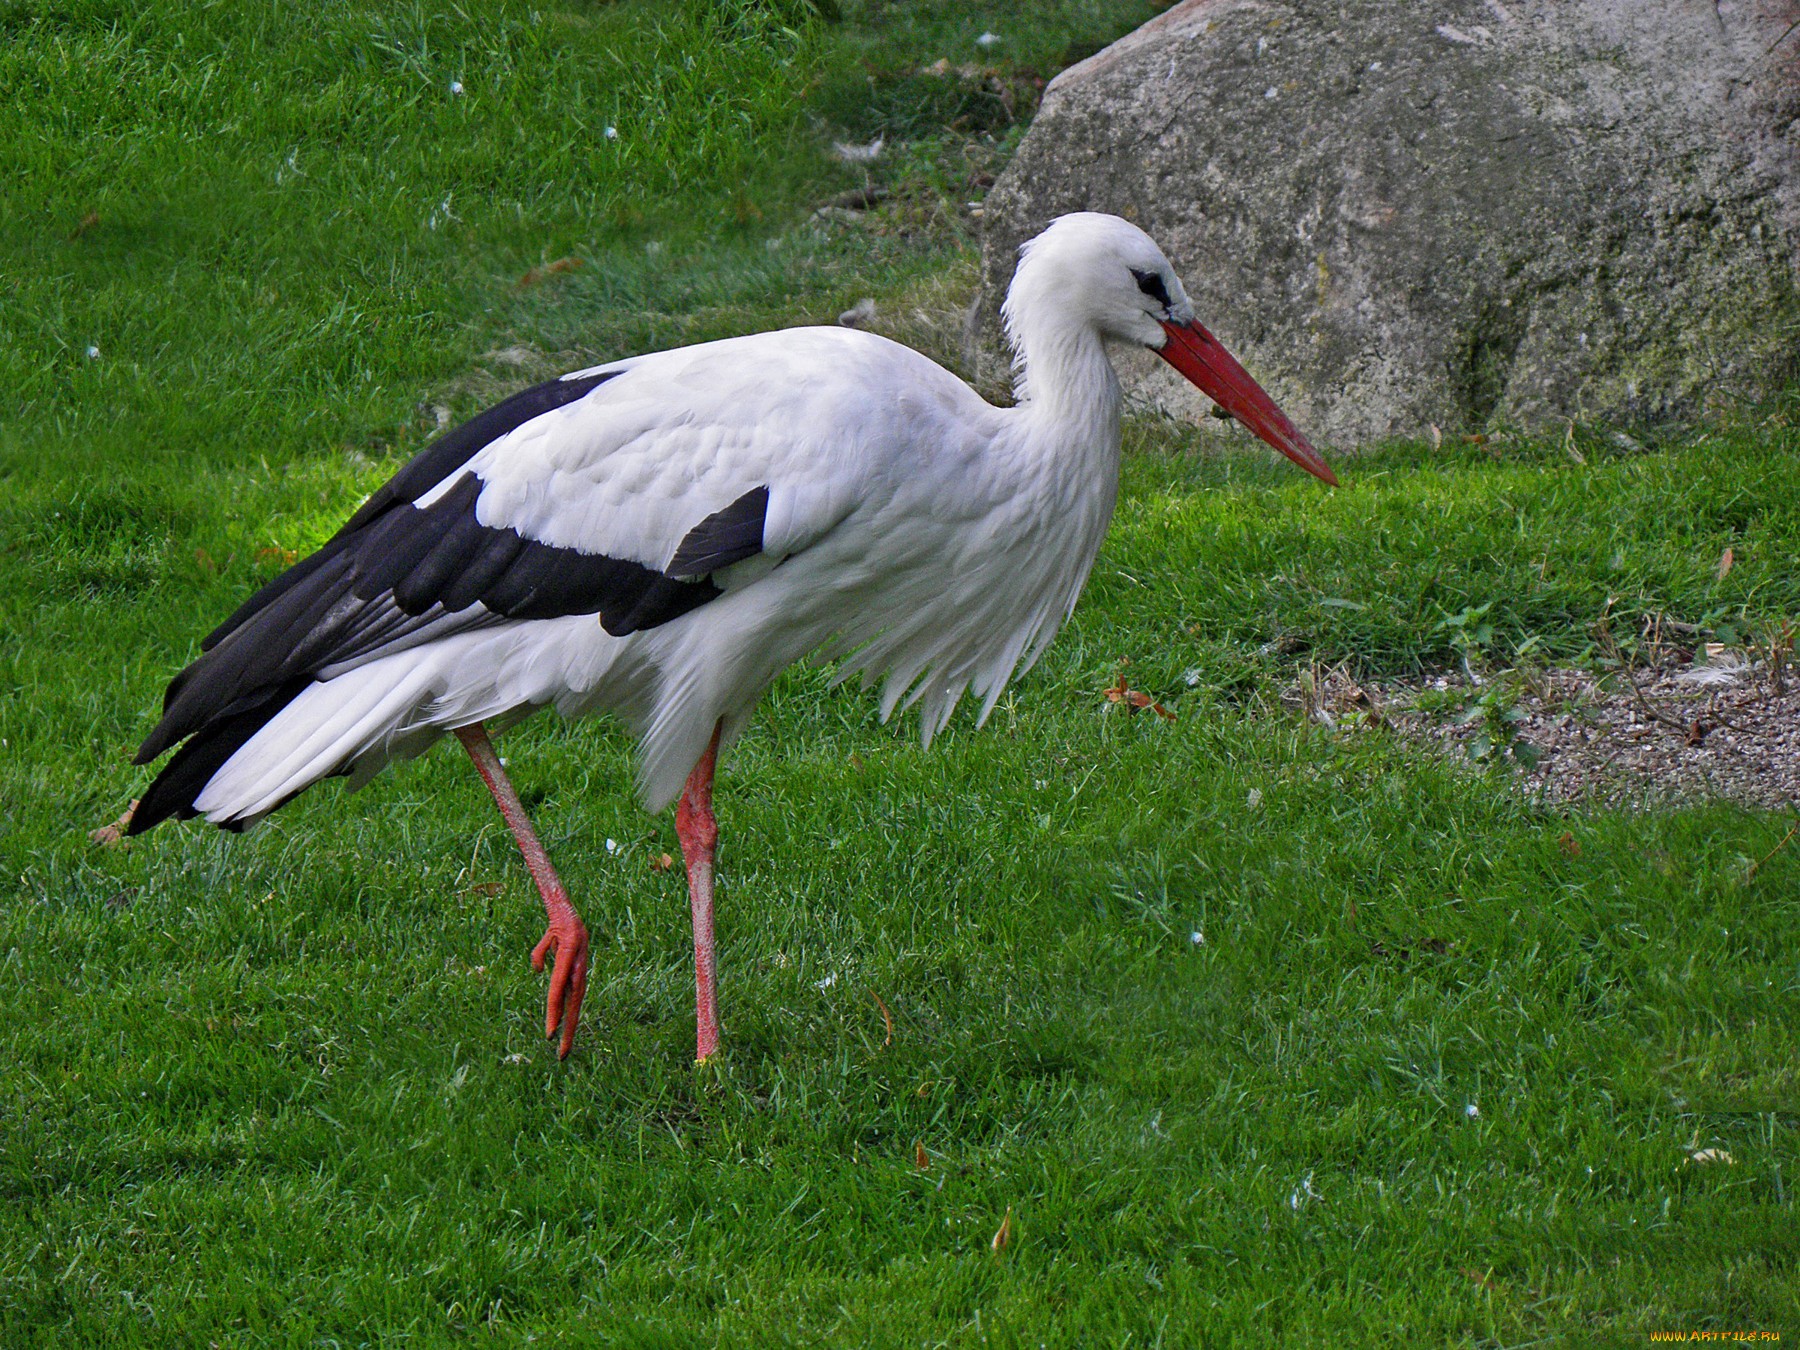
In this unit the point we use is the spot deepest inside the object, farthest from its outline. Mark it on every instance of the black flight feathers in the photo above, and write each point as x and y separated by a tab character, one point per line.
725	537
396	576
422	472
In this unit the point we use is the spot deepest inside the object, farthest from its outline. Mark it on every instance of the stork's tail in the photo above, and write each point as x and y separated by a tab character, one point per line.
193	766
243	765
238	769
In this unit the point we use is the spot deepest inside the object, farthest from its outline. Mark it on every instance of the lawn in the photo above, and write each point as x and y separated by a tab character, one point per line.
1241	1029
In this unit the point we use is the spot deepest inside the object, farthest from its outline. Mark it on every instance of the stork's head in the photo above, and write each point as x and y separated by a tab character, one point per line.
1105	273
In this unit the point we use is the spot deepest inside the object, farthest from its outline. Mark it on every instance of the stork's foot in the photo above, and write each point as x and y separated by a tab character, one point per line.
567	938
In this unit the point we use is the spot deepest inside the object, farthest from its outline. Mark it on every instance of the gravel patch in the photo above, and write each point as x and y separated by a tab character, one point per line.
1705	725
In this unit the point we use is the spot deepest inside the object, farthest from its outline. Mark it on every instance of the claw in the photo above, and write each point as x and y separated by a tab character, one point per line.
568	980
566	936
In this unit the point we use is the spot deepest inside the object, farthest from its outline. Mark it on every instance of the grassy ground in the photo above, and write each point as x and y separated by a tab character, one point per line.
1259	1034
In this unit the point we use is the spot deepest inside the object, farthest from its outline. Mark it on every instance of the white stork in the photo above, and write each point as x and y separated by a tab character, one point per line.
659	537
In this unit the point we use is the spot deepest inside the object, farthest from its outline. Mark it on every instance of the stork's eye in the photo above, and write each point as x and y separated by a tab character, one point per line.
1151	284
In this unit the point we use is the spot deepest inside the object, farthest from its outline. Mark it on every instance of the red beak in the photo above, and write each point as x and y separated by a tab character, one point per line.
1202	358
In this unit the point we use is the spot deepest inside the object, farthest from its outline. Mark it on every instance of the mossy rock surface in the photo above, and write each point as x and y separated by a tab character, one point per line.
1458	214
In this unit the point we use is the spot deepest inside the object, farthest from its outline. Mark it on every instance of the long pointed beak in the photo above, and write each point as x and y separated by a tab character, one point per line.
1202	358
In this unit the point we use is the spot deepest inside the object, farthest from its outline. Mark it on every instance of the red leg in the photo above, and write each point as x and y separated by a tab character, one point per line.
699	832
565	936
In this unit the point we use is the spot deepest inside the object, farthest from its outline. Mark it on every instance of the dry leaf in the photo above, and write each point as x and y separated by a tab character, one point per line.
549	269
662	862
287	557
111	836
1725	561
1569	844
1711	1155
483	888
1696	733
1003	1234
920	1161
1145	701
88	222
1120	692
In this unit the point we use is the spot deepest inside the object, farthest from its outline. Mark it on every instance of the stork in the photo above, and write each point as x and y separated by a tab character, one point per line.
659	537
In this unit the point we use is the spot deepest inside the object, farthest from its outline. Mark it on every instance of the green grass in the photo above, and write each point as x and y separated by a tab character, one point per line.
288	1088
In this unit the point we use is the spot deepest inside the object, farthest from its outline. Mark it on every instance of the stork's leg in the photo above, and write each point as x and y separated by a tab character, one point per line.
699	831
566	935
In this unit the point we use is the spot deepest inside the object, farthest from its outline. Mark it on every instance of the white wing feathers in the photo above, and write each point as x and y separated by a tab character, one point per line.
923	548
629	469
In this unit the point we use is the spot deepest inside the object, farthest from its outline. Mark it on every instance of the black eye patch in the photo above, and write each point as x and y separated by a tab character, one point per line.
1152	285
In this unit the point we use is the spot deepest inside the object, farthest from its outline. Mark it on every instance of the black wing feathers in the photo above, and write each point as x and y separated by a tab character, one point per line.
419	475
723	538
184	776
277	588
398	575
443	556
485	565
451	451
274	645
453	535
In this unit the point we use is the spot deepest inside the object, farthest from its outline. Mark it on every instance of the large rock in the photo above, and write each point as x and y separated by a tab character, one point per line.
1458	213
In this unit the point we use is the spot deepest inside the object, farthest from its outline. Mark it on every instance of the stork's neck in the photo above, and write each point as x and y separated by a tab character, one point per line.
1067	391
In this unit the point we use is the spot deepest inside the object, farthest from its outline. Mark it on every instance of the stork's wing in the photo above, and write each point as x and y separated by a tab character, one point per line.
622	492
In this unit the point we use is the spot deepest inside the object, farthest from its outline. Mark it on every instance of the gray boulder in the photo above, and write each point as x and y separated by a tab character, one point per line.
1461	213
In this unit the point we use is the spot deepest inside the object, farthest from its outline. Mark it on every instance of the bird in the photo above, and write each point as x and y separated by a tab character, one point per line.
659	537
